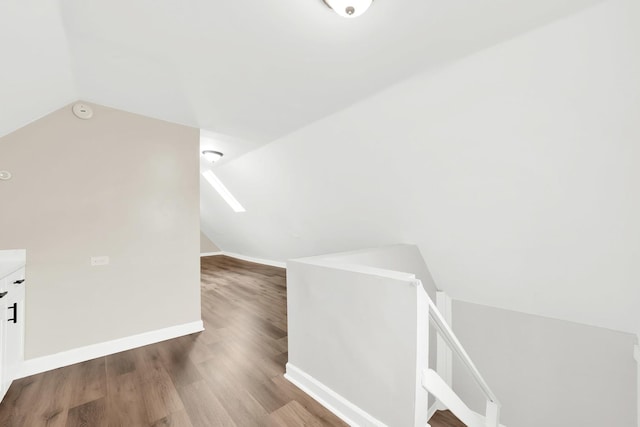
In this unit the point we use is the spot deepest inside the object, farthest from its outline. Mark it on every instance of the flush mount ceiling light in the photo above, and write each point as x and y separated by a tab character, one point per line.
349	8
212	156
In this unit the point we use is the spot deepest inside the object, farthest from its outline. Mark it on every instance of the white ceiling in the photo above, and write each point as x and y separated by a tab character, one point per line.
252	70
35	66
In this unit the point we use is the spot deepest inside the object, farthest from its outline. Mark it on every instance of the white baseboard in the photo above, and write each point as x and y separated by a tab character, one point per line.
77	355
248	258
341	407
210	253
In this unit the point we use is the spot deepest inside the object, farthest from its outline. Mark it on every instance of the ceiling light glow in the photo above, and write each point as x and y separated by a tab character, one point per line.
349	8
223	191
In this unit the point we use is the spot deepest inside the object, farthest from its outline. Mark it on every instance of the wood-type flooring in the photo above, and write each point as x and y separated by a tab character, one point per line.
445	419
231	374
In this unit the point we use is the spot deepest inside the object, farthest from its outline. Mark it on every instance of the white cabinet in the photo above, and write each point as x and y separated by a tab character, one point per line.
13	327
12	283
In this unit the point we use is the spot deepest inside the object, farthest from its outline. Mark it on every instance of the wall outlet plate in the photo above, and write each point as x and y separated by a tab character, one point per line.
99	260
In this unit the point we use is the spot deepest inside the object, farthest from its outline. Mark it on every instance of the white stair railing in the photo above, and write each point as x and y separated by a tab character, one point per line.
435	385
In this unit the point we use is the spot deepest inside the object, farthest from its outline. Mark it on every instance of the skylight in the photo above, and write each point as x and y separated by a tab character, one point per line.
223	191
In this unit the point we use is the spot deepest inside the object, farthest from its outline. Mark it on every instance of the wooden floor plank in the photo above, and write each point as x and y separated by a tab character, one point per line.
176	419
211	414
293	414
88	382
445	419
52	411
160	395
125	401
90	414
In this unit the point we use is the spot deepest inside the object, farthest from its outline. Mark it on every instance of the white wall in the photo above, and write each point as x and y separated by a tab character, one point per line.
361	332
119	185
35	76
546	372
206	245
512	169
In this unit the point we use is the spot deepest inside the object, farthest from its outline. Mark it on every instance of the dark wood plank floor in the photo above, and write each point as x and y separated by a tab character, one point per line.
445	419
228	375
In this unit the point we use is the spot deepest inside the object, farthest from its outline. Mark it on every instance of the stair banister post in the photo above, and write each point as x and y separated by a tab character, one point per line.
493	414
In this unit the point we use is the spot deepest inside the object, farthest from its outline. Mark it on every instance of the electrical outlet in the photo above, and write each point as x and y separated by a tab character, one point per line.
99	260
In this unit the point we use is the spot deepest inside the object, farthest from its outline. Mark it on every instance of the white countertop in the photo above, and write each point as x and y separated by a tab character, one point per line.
11	260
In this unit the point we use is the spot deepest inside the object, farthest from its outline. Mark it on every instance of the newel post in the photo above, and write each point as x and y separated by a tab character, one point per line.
493	414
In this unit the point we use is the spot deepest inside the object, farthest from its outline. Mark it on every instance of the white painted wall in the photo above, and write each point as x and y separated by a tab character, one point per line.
512	169
362	333
119	185
35	76
546	372
206	245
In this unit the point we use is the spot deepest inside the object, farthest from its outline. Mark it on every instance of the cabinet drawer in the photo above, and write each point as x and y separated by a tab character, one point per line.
15	279
14	285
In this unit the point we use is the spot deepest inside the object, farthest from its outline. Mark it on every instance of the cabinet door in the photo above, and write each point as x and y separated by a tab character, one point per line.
14	326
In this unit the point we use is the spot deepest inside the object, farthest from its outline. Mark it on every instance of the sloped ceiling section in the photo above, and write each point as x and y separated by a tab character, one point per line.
35	67
262	69
515	170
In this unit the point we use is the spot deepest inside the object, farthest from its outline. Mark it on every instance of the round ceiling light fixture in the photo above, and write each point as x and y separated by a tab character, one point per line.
212	156
349	8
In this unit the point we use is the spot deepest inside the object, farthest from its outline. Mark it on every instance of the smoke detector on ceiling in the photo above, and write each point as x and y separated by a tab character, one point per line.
82	111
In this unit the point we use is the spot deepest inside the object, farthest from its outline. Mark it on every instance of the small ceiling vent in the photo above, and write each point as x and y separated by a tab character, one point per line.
82	111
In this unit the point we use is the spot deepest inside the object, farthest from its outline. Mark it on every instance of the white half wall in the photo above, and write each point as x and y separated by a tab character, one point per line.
401	258
358	341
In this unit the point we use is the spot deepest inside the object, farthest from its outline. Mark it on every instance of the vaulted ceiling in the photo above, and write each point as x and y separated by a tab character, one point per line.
251	70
